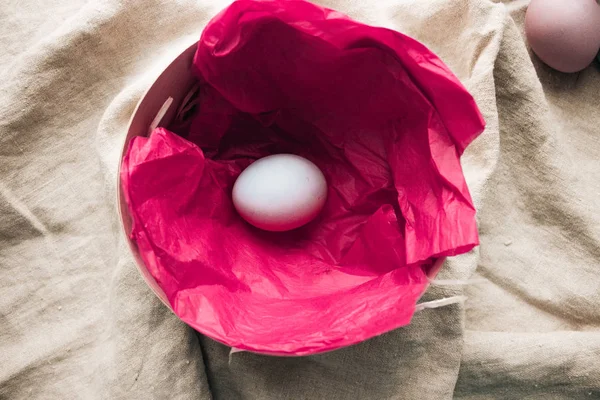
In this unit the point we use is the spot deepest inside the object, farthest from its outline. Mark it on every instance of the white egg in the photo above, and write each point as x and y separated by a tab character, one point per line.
280	192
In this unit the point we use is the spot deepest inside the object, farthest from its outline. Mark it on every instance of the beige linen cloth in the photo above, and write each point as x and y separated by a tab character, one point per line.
78	322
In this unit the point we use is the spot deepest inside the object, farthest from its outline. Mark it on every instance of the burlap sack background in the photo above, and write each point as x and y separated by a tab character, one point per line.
77	322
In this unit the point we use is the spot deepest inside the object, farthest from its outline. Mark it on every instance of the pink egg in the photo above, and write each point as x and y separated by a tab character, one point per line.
565	34
280	192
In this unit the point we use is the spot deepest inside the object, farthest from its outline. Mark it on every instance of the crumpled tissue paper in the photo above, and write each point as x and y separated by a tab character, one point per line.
382	117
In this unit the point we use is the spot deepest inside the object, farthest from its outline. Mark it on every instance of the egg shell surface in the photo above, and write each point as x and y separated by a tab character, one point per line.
280	192
565	34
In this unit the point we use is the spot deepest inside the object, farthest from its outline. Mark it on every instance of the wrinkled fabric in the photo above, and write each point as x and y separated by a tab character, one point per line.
382	117
78	322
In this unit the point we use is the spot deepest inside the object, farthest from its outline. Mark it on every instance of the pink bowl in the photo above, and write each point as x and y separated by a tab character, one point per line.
174	82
